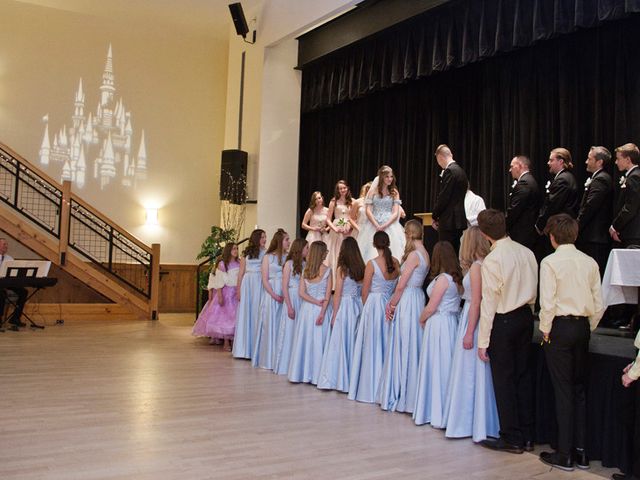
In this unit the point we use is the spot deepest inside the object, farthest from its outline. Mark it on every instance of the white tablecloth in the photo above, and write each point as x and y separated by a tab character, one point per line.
621	277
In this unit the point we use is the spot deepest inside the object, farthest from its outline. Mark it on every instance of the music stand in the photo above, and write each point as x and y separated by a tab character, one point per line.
22	271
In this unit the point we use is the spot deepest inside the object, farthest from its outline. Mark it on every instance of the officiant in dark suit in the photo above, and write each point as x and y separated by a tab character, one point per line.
524	203
594	217
449	217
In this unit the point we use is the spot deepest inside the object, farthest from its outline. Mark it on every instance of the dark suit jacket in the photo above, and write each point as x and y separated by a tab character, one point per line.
562	197
594	216
626	220
522	212
449	207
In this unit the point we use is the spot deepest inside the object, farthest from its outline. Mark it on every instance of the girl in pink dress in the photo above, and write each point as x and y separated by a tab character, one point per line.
340	223
315	219
218	316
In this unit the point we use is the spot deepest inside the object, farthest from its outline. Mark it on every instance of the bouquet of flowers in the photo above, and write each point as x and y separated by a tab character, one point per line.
343	225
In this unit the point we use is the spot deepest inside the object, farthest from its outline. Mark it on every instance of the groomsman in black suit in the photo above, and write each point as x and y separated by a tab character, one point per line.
626	221
449	217
561	195
524	203
594	217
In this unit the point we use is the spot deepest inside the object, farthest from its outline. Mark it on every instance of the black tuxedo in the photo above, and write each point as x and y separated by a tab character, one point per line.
594	218
449	208
524	204
626	219
561	197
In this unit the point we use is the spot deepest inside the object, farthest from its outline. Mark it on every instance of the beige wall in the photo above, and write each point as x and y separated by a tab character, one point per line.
172	80
272	105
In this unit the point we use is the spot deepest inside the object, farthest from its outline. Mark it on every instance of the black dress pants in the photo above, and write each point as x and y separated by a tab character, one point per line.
22	299
511	372
451	236
567	356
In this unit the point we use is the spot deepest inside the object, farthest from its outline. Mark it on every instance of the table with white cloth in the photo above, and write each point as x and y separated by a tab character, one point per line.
621	277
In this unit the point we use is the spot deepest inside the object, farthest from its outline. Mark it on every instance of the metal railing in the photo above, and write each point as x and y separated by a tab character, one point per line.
89	233
29	193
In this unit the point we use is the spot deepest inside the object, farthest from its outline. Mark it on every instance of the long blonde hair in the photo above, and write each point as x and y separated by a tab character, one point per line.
315	257
472	247
413	230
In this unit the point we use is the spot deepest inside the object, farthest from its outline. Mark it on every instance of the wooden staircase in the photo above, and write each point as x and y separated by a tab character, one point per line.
128	273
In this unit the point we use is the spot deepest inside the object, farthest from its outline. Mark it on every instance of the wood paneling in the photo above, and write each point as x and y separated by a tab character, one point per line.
177	288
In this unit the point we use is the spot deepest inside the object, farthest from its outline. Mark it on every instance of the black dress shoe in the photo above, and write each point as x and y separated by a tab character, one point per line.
17	322
528	446
555	459
501	445
580	458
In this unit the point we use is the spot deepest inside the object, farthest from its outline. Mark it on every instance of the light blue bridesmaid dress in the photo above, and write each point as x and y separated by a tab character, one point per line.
436	356
248	308
309	339
287	326
268	324
336	361
371	340
470	410
398	383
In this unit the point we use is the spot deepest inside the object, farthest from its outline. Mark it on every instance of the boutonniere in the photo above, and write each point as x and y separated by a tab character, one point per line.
547	185
513	185
623	181
587	183
441	173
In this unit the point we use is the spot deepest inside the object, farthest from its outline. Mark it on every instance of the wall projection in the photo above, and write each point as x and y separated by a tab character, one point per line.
96	148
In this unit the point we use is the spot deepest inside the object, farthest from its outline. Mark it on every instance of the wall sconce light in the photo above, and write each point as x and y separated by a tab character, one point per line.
151	217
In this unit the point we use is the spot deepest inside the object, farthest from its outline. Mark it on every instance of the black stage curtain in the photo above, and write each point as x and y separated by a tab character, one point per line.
574	91
458	33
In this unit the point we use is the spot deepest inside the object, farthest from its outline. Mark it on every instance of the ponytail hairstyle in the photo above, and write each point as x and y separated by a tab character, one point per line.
336	193
252	250
225	257
383	171
413	230
295	255
473	247
276	246
381	242
315	257
564	155
350	259
444	260
364	189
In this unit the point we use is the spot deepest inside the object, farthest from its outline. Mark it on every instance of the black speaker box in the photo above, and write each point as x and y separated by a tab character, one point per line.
233	176
239	21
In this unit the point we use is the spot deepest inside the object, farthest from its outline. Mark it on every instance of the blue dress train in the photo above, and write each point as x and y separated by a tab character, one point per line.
470	409
248	308
371	340
309	338
287	326
268	323
436	356
398	383
336	361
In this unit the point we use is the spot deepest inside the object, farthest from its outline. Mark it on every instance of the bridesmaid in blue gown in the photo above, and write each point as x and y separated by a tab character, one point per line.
312	321
470	409
290	285
347	306
264	349
440	320
380	279
249	294
399	379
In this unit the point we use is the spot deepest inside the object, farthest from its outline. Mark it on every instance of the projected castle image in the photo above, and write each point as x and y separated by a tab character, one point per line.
97	147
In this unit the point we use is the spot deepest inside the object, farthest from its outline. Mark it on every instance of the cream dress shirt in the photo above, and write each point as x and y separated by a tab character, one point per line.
509	281
569	285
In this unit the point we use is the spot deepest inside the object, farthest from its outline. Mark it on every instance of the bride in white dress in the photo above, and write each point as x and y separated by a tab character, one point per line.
383	212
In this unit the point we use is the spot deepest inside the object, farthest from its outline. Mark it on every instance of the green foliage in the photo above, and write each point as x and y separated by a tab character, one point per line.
212	246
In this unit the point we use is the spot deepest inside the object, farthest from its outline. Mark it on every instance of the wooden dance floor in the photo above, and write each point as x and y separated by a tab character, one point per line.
145	400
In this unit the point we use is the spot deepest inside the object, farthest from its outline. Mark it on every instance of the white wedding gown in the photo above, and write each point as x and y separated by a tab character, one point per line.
381	207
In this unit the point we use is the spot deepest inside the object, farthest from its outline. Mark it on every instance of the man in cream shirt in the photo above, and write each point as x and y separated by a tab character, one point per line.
570	309
509	288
